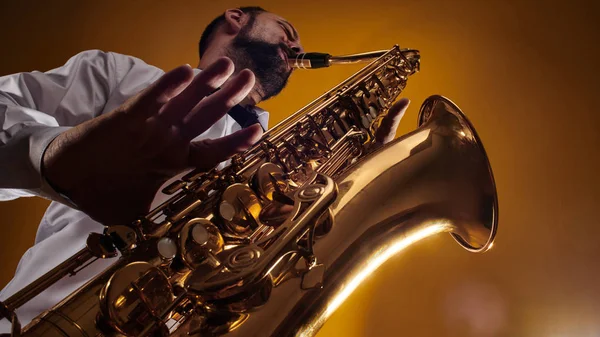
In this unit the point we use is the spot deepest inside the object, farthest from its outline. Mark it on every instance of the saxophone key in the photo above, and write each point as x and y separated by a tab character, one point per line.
199	240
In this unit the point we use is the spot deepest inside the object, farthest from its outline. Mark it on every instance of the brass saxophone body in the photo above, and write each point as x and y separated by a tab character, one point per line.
274	243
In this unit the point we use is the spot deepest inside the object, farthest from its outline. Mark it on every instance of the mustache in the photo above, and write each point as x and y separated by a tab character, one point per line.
267	56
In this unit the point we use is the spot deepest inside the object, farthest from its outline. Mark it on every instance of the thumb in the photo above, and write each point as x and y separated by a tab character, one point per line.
389	124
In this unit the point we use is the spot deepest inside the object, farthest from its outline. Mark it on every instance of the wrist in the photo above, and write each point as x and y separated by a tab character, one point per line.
57	170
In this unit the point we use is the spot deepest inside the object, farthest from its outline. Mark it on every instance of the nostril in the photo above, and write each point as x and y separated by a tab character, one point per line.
296	50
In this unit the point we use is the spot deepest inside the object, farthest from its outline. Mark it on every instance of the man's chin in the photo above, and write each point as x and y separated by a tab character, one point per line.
271	83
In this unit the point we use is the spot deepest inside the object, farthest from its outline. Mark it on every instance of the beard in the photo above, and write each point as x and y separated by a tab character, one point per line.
263	59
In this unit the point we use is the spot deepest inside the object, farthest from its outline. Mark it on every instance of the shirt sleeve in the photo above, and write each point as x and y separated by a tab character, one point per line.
35	107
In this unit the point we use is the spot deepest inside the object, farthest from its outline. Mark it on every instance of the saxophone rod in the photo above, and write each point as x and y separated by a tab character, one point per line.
44	282
323	60
97	246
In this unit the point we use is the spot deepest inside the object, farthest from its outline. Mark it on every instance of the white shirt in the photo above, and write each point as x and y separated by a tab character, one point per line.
35	107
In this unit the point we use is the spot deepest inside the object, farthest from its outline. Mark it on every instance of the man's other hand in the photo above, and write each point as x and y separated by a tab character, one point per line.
112	166
389	125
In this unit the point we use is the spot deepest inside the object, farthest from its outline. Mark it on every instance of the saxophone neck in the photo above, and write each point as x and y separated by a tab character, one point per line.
316	60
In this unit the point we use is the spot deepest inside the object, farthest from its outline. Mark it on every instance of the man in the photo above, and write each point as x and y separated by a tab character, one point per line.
100	135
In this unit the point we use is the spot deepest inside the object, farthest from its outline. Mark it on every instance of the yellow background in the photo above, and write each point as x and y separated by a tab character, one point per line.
525	73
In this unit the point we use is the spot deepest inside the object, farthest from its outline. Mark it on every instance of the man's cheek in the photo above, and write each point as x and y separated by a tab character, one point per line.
269	36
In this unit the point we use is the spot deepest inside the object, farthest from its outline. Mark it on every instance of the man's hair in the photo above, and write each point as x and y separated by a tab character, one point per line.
210	29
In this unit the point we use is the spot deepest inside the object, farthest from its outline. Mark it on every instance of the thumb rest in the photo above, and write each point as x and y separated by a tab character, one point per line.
273	243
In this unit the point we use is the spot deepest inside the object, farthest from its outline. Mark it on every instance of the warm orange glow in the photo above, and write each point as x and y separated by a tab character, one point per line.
378	259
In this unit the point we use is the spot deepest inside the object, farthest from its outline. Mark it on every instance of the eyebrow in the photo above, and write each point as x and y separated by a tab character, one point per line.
294	32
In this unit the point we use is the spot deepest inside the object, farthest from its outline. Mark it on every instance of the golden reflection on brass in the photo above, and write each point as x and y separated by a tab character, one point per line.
240	207
268	180
198	239
134	296
274	243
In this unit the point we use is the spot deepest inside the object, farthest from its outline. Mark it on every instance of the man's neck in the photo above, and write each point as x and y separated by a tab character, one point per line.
209	57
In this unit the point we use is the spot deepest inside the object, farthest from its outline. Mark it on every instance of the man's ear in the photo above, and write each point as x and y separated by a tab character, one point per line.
234	20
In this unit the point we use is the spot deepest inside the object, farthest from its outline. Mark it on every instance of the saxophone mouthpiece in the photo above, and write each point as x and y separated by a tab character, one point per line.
310	60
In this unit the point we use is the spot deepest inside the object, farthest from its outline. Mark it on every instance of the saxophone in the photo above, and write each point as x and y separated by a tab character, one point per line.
273	243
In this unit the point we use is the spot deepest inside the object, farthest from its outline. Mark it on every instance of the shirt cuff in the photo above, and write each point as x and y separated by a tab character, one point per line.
38	143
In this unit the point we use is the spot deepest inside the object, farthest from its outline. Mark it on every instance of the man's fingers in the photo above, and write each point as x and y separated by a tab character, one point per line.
160	92
389	125
208	153
215	106
203	85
